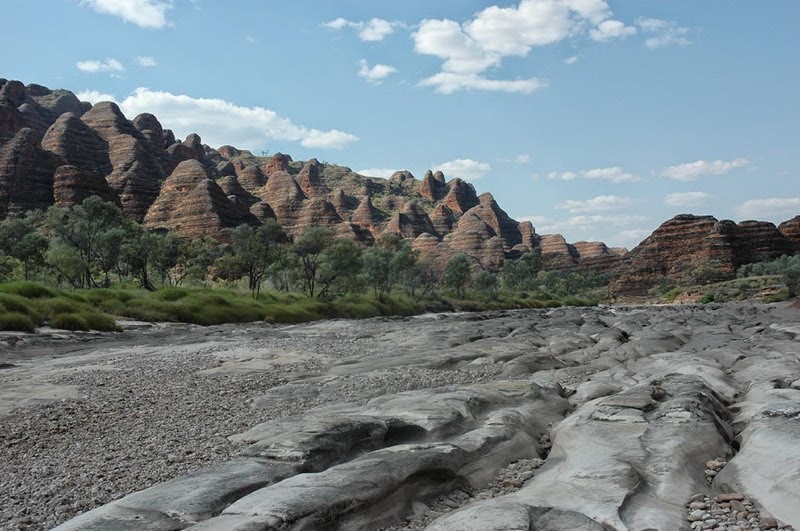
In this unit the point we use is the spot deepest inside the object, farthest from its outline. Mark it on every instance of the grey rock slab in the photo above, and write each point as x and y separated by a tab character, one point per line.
630	461
767	466
513	516
187	499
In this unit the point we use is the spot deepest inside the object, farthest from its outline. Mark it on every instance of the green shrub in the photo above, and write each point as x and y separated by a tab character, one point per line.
171	294
69	321
29	290
16	303
16	322
100	322
706	298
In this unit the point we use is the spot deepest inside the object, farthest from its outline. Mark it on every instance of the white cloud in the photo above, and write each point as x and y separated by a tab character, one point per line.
571	60
449	82
146	61
601	203
376	73
687	199
220	122
383	173
145	13
522	158
95	96
372	30
611	29
466	169
691	171
663	33
94	66
615	174
773	208
581	224
250	39
471	48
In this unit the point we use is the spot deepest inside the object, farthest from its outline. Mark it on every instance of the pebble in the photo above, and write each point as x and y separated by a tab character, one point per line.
731	511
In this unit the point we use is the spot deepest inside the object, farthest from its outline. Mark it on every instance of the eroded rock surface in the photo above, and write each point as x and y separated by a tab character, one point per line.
622	418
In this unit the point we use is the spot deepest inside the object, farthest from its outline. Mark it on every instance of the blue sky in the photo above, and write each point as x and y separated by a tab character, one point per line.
596	119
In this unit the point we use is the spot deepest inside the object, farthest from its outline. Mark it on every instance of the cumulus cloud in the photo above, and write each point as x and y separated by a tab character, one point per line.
611	29
522	158
220	122
687	199
663	33
691	171
146	61
471	48
571	60
144	13
94	66
374	74
383	173
631	237
466	169
372	30
94	96
615	174
601	203
772	208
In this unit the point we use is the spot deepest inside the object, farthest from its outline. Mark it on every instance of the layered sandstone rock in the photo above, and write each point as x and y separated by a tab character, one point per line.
556	252
250	176
597	257
430	188
503	226
26	175
137	170
72	185
277	163
231	186
262	211
460	196
11	120
443	219
474	237
762	240
528	235
194	206
791	230
310	179
80	146
687	244
410	222
284	195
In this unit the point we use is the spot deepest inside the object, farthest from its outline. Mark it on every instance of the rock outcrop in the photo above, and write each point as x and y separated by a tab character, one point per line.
474	237
687	245
460	196
791	231
72	185
26	175
310	179
194	206
410	222
137	171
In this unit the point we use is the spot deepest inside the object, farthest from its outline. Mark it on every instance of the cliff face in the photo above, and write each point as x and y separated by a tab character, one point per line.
686	244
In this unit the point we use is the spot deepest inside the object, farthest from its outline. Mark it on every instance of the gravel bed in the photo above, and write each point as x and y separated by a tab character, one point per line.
146	418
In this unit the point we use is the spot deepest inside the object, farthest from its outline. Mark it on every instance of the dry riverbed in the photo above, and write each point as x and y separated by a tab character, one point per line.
455	414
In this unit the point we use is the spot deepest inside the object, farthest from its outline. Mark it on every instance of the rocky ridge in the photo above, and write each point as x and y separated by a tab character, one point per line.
55	149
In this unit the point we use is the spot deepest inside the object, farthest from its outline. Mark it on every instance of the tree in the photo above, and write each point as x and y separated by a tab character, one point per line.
390	262
137	254
485	282
457	274
309	248
340	268
254	248
20	240
88	229
520	274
